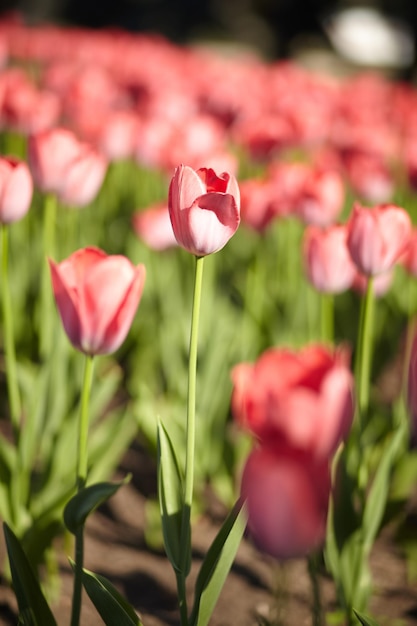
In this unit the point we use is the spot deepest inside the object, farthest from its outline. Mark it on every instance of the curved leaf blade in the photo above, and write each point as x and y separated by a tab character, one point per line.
217	564
33	608
87	500
110	604
170	495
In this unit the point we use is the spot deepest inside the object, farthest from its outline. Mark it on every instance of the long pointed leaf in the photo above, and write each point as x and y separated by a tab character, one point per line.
33	607
112	607
365	620
217	564
377	497
86	501
170	494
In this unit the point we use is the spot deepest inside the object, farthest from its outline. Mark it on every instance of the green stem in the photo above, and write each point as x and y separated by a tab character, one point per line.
327	317
82	465
82	461
190	437
363	364
315	586
11	373
46	304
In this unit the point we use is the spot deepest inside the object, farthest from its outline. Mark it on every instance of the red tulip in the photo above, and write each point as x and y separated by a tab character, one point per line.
16	188
327	261
300	399
377	237
286	495
204	209
97	296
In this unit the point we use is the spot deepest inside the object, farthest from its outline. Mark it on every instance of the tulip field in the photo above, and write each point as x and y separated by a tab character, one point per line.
208	340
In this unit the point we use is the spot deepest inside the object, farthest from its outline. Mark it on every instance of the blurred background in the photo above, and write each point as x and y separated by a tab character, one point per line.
274	28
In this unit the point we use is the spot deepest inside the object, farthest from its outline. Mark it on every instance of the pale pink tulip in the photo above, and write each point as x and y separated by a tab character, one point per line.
377	237
204	209
16	189
97	296
327	261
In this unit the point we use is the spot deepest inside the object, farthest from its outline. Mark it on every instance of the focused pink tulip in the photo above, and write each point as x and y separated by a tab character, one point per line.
301	399
287	495
204	209
327	261
377	237
16	189
97	296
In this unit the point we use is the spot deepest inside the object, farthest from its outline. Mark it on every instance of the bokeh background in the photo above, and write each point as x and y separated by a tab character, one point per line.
275	28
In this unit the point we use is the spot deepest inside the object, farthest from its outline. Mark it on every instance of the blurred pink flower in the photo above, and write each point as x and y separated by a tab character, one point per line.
327	261
63	165
286	494
153	226
377	237
301	399
16	189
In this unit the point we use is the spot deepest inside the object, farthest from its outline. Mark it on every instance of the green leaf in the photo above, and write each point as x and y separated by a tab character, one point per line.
377	497
112	607
365	620
217	564
170	494
86	501
33	608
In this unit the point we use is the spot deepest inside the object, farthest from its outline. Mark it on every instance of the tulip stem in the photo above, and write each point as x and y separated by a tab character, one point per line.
82	465
364	356
82	462
313	562
45	317
327	317
11	373
190	428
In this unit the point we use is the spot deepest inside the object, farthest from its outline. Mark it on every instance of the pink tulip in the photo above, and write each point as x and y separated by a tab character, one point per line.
300	399
409	257
321	198
16	189
63	165
153	226
327	261
286	495
377	237
97	296
204	209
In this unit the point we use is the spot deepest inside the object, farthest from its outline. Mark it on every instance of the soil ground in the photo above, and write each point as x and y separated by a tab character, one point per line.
115	547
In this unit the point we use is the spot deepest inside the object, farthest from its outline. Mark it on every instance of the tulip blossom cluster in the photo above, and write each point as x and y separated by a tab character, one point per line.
370	244
299	407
